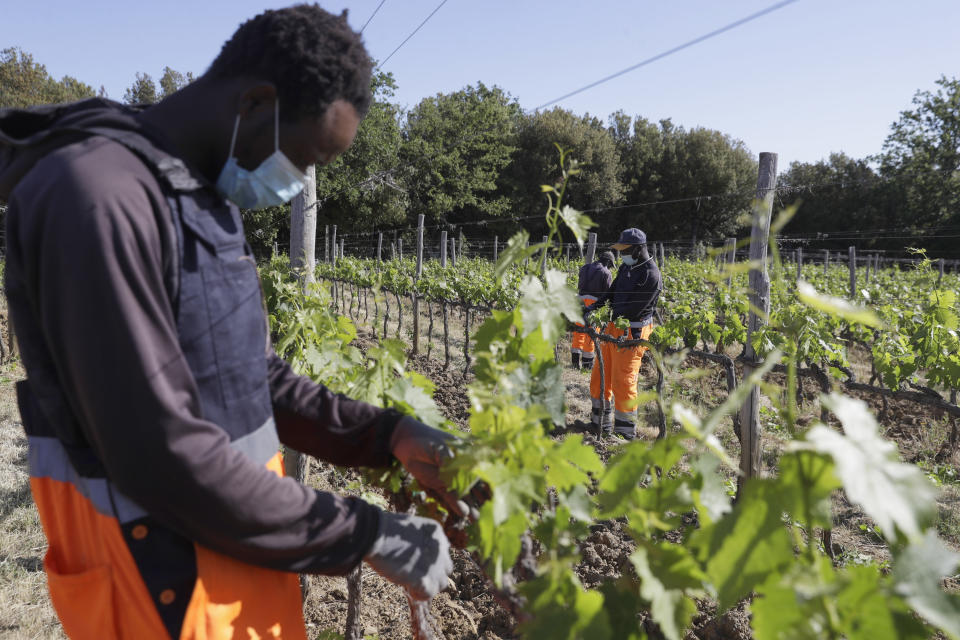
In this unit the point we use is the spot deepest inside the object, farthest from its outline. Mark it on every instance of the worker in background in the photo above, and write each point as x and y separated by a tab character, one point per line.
154	404
632	296
594	281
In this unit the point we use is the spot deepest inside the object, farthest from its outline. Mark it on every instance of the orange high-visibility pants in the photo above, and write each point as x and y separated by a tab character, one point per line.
582	343
621	367
97	589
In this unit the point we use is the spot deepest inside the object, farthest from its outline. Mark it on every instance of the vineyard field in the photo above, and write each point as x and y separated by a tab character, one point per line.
590	536
833	347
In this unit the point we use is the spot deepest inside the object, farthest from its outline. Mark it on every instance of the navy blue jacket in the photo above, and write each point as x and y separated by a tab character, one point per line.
635	292
595	280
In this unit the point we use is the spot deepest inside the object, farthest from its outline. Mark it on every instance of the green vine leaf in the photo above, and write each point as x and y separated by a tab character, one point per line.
917	573
895	495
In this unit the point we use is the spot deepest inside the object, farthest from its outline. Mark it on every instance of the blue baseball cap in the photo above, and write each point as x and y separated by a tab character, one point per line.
630	237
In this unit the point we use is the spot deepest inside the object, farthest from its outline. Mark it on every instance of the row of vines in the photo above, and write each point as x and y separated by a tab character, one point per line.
692	541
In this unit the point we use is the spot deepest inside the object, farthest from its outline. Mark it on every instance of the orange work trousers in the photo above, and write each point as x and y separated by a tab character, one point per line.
582	343
98	592
621	366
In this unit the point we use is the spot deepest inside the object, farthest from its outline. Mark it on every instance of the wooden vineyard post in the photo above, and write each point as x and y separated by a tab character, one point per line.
731	258
731	250
400	248
333	244
460	245
853	273
663	257
326	243
826	262
416	296
276	249
453	251
353	629
466	341
496	247
543	257
568	254
940	277
799	264
759	300
443	304
303	245
379	249
591	248
303	229
343	244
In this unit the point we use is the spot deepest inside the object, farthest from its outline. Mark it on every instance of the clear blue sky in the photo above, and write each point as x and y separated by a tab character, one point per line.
814	77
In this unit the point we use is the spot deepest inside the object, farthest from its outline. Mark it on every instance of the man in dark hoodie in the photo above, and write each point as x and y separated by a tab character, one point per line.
632	298
154	404
593	281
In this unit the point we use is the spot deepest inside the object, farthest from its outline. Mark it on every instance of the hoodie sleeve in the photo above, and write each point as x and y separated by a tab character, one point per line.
87	289
329	426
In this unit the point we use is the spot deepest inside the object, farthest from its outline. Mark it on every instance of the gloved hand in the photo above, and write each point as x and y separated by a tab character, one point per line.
422	450
586	315
412	552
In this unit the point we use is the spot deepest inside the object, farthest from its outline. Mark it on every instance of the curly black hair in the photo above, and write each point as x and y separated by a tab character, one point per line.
312	56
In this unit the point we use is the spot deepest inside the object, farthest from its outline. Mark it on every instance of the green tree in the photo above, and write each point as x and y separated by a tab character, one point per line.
921	156
536	161
709	164
263	227
24	82
641	147
142	91
456	146
364	187
835	196
666	164
172	81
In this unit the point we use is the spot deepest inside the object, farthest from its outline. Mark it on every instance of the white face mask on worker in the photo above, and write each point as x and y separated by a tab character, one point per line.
274	182
629	260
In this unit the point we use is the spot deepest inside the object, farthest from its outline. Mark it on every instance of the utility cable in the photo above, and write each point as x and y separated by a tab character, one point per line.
380	66
669	52
371	16
659	56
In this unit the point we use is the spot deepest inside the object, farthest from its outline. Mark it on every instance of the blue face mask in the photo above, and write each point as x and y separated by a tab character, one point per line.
629	260
276	181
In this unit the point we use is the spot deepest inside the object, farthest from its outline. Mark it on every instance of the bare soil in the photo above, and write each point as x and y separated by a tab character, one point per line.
467	609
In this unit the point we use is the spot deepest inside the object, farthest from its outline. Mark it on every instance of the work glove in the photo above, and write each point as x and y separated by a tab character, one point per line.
412	552
422	450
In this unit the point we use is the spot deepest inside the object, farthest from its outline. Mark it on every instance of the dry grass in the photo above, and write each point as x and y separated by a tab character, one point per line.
25	609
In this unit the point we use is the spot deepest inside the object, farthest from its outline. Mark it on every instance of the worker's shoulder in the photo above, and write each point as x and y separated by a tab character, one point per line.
90	171
98	160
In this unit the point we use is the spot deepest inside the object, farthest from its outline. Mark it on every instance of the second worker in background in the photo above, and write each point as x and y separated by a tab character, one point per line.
594	281
633	296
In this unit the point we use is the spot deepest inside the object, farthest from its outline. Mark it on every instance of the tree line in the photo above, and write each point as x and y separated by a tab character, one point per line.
475	155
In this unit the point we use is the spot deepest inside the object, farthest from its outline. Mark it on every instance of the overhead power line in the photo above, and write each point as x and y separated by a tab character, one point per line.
475	134
413	33
372	15
670	52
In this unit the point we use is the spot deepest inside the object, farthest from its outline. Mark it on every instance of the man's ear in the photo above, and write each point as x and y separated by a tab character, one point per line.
257	98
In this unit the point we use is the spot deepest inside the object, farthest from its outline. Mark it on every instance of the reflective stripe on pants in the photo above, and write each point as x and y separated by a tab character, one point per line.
620	369
582	343
96	586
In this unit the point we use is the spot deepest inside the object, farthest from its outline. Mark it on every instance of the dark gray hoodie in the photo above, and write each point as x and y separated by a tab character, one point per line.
91	253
